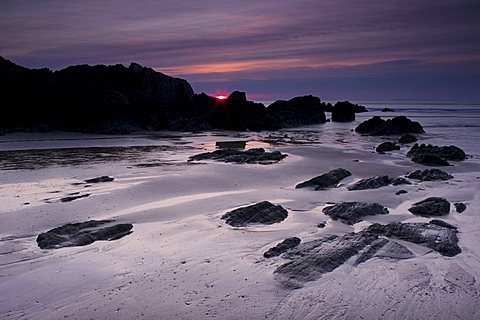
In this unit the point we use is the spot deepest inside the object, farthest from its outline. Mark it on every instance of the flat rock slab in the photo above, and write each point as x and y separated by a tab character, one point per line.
282	247
100	179
430	175
82	234
326	180
261	213
251	156
353	212
433	206
442	239
376	126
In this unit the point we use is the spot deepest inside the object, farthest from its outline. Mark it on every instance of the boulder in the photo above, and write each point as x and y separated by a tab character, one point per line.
433	206
297	111
251	156
387	146
353	212
376	126
371	183
326	180
261	213
82	234
343	111
448	153
282	247
460	207
407	138
430	175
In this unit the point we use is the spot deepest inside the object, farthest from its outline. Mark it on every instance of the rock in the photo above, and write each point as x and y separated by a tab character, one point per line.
326	180
260	213
321	225
231	144
81	234
400	181
429	160
74	197
448	153
460	207
343	111
432	206
430	175
387	146
399	192
442	223
297	111
387	110
353	212
100	179
376	126
282	247
251	156
407	138
371	183
441	239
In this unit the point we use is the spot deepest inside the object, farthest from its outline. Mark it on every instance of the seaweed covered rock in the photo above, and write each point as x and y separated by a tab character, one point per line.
371	183
430	175
433	206
353	212
387	146
82	234
251	156
261	213
376	126
282	247
326	180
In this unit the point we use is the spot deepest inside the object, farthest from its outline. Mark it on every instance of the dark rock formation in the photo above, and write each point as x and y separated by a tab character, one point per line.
387	110
344	111
448	153
82	234
371	183
442	223
353	212
387	146
100	179
429	160
407	138
297	112
261	213
430	175
282	247
257	155
74	197
326	180
442	239
432	206
400	181
460	207
376	126
321	225
399	192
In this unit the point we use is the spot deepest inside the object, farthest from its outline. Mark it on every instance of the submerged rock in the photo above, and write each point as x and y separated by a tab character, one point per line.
430	175
100	179
251	156
282	247
448	153
432	206
82	234
407	138
326	180
442	239
460	207
261	213
387	146
371	183
376	126
353	212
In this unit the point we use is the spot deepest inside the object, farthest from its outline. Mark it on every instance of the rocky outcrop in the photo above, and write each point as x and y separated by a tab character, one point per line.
353	212
442	239
282	247
433	206
407	138
344	111
326	180
100	179
387	146
82	234
446	153
430	175
376	126
260	213
297	111
460	207
251	156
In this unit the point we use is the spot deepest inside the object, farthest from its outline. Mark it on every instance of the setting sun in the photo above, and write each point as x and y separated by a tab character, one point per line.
221	97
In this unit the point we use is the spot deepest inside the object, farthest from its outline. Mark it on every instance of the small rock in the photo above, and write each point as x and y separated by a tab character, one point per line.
430	175
263	212
326	180
429	160
75	197
387	110
282	247
100	179
460	207
400	181
433	206
321	225
407	138
387	146
353	212
399	192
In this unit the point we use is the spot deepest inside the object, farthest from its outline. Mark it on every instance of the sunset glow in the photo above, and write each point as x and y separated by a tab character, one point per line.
221	97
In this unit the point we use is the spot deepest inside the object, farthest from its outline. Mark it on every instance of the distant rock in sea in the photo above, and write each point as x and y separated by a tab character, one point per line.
407	138
376	126
344	111
297	111
387	110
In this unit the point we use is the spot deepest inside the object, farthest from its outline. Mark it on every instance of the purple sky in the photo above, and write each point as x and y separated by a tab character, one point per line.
370	50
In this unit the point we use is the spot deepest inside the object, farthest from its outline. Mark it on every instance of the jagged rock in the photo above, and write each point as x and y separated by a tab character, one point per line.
376	126
387	110
387	146
447	153
460	207
429	160
100	179
407	138
441	239
257	155
297	111
282	247
353	212
326	180
371	183
433	206
430	175
442	223
399	192
82	233
74	197
400	181
261	213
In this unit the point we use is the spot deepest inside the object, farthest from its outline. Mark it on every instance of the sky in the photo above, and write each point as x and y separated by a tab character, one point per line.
358	50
